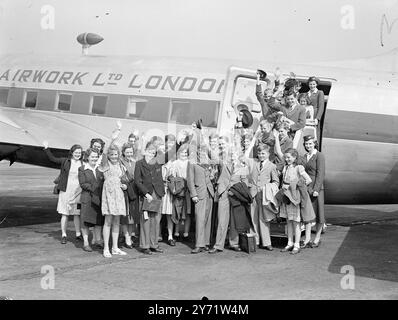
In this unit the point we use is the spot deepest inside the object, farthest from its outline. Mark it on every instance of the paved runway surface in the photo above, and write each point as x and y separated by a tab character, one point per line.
363	237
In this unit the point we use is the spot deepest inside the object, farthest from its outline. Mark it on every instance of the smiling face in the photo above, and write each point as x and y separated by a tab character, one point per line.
76	155
213	142
303	101
290	100
183	155
97	146
150	154
132	140
170	144
113	156
309	145
129	153
312	85
282	133
263	155
289	158
265	127
92	159
222	144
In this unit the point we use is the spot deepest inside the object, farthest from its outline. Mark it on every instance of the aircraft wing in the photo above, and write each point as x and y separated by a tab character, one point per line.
24	129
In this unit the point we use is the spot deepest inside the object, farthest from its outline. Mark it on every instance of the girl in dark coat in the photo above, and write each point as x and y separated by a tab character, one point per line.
149	181
132	217
91	181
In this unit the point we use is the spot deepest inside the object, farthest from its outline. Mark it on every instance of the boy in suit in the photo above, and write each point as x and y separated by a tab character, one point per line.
263	174
232	172
202	194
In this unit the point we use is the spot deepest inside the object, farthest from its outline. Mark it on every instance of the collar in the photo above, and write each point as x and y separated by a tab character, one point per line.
292	109
87	166
313	92
309	155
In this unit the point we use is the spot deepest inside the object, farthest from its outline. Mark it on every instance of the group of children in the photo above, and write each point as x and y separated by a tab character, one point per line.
198	174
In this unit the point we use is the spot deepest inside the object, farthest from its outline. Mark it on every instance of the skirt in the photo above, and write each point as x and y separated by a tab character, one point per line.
318	205
290	212
64	207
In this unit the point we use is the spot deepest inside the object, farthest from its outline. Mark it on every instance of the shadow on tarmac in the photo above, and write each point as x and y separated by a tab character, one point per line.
369	244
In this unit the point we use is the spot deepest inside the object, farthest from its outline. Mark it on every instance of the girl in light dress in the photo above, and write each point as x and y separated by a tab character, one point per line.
113	203
305	101
290	204
69	188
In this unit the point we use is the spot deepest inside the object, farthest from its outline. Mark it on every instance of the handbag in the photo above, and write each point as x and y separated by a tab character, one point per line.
153	206
56	182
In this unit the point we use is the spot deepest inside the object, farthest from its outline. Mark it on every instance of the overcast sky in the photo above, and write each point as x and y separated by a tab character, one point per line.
264	30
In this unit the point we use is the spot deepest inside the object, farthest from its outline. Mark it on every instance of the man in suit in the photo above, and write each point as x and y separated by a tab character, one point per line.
232	172
262	172
202	194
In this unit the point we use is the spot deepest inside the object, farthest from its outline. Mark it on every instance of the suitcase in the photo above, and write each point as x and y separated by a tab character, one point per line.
247	242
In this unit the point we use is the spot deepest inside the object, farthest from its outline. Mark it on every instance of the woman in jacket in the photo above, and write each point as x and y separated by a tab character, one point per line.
314	165
69	188
91	181
317	98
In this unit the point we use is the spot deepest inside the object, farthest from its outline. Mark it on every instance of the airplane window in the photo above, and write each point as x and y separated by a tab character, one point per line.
64	102
187	112
31	99
3	96
180	112
154	109
99	104
135	106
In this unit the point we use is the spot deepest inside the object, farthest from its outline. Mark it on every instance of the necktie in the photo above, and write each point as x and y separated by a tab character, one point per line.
261	165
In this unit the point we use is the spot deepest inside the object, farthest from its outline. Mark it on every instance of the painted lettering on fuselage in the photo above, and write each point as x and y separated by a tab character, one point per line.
176	83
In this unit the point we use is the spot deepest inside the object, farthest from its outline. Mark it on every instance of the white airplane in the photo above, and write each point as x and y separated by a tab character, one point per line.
68	100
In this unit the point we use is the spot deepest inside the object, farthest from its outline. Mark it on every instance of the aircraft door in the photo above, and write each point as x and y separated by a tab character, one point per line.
240	88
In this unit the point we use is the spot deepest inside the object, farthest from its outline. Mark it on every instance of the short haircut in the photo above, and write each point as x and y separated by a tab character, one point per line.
263	147
283	125
266	121
308	138
182	148
291	83
294	153
224	138
156	140
313	78
132	135
113	147
291	92
88	152
213	135
304	96
100	141
74	148
127	145
170	137
150	146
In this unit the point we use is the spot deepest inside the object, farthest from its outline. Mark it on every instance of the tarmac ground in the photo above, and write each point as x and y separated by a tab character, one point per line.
357	258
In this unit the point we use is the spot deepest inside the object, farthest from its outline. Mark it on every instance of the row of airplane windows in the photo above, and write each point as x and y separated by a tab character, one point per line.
162	109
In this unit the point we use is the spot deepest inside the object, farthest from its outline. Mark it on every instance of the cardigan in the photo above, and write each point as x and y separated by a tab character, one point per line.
64	170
